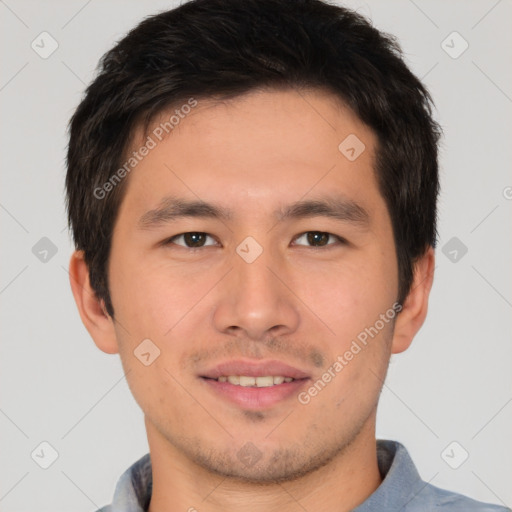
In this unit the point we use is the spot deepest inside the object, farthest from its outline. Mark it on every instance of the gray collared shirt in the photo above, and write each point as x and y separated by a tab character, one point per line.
401	489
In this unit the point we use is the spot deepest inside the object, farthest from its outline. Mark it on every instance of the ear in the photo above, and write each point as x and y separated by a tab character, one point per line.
92	311
415	306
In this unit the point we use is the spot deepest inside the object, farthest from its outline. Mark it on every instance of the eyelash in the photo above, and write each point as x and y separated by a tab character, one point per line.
340	240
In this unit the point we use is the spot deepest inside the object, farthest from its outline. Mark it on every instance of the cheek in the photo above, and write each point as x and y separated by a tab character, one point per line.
148	297
153	387
349	297
348	398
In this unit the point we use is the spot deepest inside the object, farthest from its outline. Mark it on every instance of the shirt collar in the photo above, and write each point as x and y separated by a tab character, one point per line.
134	488
401	482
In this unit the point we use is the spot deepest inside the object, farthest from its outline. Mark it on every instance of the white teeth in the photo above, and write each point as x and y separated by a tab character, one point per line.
264	382
247	381
260	382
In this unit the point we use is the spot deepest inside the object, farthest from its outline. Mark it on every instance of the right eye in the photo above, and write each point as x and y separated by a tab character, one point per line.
190	240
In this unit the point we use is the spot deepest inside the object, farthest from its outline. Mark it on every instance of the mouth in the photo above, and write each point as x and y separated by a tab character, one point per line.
253	385
247	381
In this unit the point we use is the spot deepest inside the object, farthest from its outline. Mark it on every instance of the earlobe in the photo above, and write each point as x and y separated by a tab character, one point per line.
415	306
92	311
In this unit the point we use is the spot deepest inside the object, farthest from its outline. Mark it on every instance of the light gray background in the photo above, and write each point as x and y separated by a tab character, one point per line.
453	384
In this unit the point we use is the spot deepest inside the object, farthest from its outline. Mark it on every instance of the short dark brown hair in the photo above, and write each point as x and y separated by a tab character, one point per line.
225	48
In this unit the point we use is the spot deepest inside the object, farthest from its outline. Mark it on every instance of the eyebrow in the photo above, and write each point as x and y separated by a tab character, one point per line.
172	208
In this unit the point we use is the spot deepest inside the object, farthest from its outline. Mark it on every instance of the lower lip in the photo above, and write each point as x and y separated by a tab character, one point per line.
253	397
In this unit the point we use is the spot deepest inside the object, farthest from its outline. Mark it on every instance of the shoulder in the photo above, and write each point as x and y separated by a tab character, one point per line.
133	489
404	489
434	498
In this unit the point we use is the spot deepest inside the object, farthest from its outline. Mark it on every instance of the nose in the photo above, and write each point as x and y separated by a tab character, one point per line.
256	301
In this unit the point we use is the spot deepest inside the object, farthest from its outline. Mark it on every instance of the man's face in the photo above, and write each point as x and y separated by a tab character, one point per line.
244	294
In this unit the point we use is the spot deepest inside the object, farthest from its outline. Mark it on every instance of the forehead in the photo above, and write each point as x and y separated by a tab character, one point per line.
258	148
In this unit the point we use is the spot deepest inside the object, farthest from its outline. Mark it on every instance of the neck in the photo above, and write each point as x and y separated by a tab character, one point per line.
345	482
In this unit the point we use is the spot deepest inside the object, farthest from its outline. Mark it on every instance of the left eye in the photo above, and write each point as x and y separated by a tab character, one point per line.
318	238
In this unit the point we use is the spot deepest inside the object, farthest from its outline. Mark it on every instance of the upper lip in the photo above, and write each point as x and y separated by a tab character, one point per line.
254	369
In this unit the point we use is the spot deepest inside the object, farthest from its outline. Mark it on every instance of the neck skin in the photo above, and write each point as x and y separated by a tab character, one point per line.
181	485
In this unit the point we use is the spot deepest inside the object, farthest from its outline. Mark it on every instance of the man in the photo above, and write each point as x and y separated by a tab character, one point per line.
252	191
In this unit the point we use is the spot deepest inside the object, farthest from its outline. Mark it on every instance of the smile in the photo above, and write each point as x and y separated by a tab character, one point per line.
258	382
